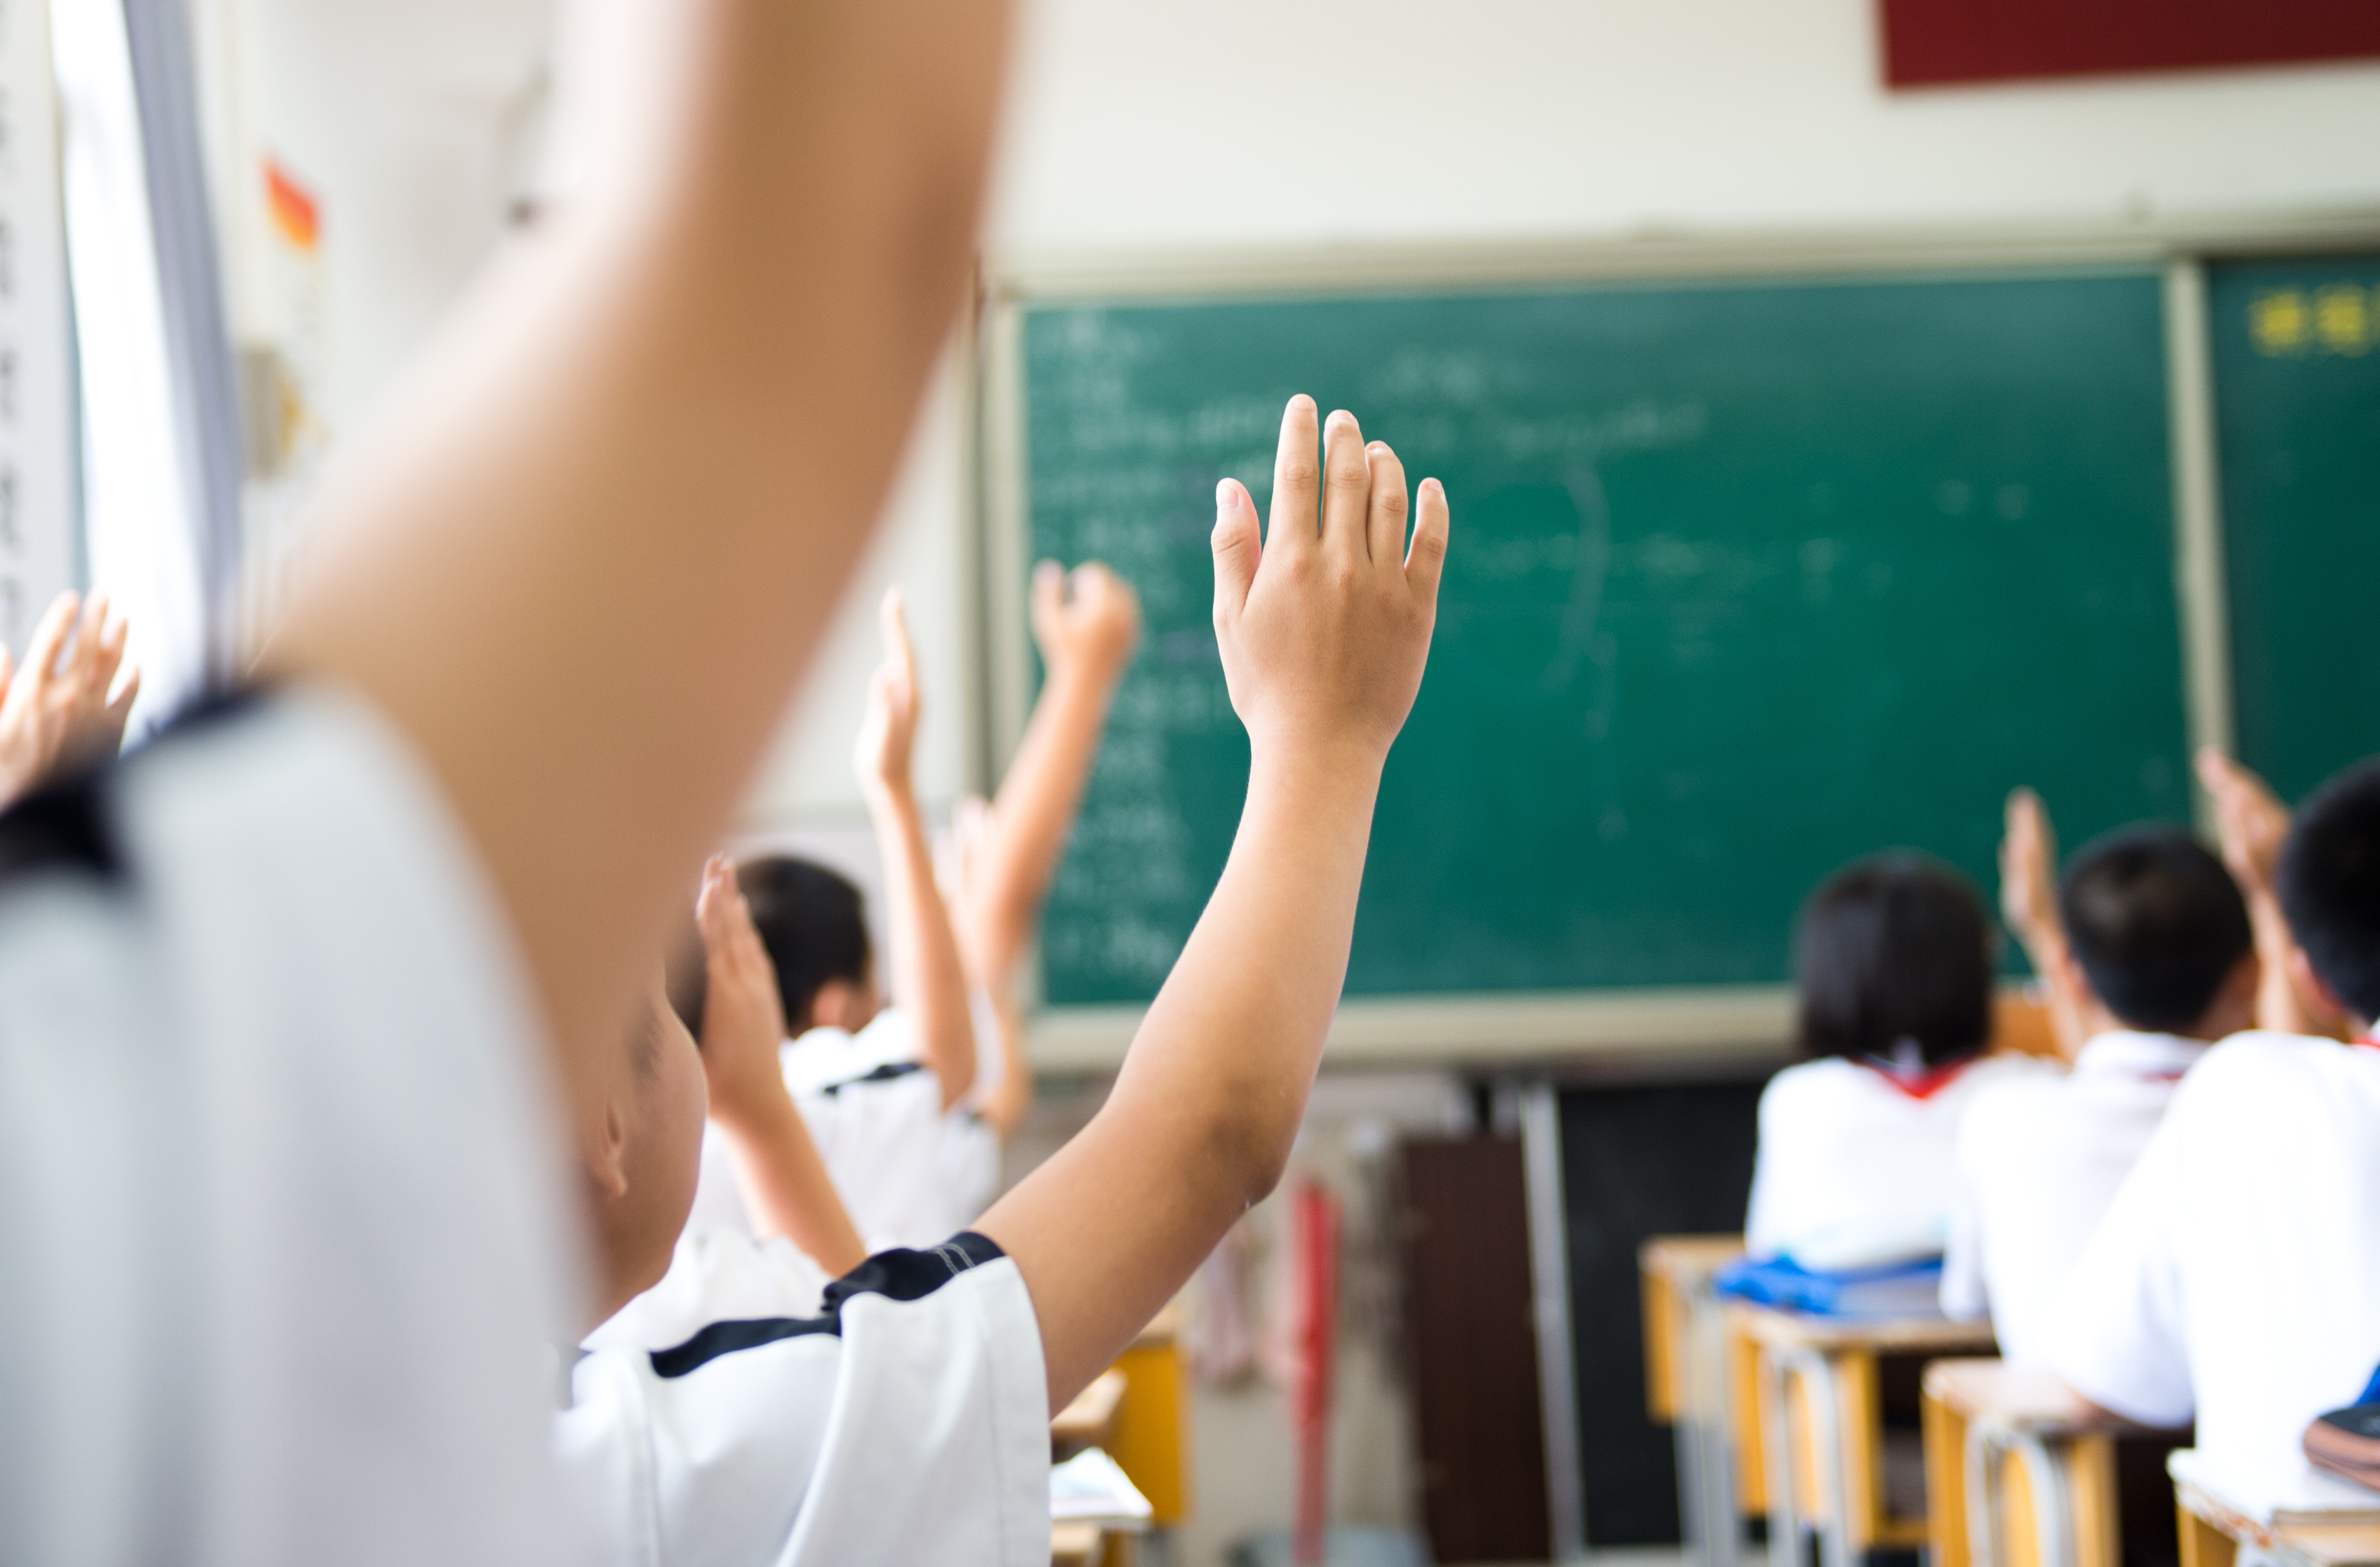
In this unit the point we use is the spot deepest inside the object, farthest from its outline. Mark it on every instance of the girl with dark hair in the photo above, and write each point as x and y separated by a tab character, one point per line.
1855	1168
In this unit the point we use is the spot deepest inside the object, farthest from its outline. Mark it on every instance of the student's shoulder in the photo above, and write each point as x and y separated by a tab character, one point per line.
2264	1062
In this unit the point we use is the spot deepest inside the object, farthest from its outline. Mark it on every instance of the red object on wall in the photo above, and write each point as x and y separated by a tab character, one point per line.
1936	43
1314	1218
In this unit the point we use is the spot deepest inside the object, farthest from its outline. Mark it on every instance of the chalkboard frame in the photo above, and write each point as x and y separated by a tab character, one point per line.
1700	1025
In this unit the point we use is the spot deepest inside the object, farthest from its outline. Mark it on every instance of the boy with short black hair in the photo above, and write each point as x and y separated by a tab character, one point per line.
2236	1278
2147	943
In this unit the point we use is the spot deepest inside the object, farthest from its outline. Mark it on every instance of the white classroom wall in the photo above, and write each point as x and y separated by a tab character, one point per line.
1171	126
1166	126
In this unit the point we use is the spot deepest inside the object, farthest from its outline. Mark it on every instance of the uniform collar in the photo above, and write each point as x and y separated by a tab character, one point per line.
2128	1053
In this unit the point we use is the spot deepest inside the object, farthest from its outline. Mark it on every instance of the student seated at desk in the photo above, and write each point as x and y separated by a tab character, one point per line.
906	1421
1855	1168
2146	945
908	1106
2236	1278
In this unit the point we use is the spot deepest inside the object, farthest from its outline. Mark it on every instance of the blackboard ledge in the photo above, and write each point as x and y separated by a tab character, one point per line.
1678	1024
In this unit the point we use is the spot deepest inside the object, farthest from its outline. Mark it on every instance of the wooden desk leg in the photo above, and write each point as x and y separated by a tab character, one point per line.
1777	1466
2091	1494
2203	1544
1947	1526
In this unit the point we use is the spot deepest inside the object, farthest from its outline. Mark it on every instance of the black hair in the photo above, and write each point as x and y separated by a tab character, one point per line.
2156	923
1891	948
812	922
2330	886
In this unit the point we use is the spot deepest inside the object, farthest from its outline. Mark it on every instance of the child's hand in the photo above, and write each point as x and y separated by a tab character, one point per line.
743	1018
2029	869
1086	620
53	715
1324	634
2250	821
889	734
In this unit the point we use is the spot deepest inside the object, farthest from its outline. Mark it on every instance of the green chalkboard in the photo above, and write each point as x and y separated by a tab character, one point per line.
2296	349
1747	580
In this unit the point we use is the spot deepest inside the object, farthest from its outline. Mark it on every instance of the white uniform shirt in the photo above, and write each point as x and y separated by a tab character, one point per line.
910	1173
279	1195
716	1275
2236	1275
908	1423
1853	1169
2040	1156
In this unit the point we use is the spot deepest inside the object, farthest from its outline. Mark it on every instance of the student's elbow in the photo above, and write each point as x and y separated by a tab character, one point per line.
1250	1142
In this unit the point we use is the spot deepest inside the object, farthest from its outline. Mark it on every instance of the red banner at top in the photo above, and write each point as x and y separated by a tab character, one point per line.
1936	43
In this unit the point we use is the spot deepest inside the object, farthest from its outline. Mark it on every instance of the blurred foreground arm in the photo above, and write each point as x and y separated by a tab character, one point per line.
784	1183
583	561
1324	632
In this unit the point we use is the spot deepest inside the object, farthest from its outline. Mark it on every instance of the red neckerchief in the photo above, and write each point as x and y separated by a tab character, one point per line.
1921	1086
2370	1041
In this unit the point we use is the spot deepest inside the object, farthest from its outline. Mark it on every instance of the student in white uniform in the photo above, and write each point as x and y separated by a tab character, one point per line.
2236	1278
2149	940
892	1094
906	1418
292	1003
1855	1161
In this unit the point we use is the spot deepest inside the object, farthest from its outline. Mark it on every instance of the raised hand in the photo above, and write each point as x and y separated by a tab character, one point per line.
2250	820
55	711
1325	628
742	1016
888	736
2028	870
1086	621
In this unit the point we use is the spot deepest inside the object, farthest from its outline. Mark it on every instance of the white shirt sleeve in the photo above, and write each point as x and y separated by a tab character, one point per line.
278	1191
2115	1330
908	1422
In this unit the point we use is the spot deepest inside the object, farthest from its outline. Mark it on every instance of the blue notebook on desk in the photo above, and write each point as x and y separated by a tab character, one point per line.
1904	1289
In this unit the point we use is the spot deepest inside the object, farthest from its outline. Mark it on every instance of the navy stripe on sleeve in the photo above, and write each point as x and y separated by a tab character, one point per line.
897	1275
890	1071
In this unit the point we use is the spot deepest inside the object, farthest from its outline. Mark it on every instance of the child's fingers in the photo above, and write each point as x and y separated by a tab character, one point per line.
1347	492
125	695
1425	556
1049	595
898	652
1385	522
1296	480
1237	550
49	638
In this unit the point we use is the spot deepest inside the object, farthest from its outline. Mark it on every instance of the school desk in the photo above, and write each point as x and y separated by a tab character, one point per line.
1090	1420
1088	1545
1687	1385
2020	1471
1821	1423
2213	1533
1151	1439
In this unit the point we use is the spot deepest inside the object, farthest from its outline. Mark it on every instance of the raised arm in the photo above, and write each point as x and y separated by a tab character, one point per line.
2252	824
583	560
926	976
1324	632
1087	623
57	712
784	1183
2029	904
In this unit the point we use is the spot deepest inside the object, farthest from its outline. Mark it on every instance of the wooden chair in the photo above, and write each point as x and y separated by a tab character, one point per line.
1821	1413
2019	1470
